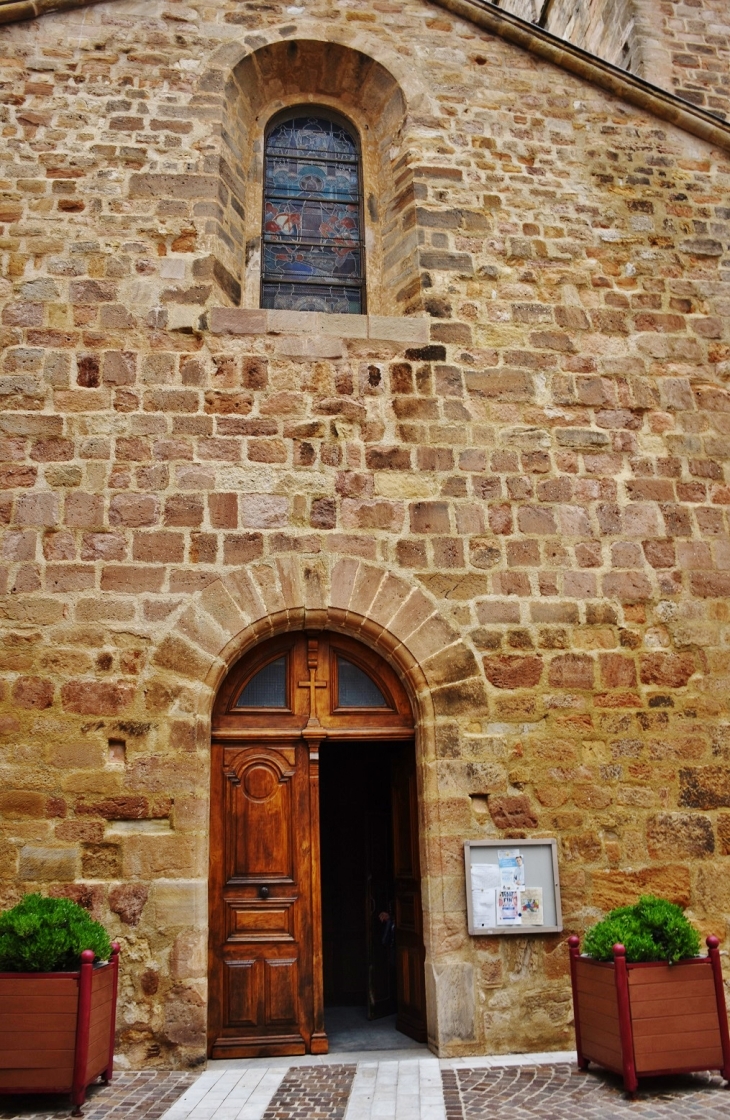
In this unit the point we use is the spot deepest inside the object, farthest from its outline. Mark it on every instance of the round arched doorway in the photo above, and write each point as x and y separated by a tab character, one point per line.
314	884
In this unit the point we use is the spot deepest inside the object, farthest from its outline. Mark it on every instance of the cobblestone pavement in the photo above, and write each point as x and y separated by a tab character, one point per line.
130	1096
312	1091
562	1091
405	1089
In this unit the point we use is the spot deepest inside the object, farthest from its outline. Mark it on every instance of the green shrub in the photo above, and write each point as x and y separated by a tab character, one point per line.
48	935
651	930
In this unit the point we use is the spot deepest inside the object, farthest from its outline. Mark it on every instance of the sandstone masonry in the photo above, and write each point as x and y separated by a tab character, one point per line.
510	478
682	45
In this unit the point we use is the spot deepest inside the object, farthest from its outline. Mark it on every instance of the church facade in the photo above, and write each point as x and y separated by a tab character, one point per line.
364	456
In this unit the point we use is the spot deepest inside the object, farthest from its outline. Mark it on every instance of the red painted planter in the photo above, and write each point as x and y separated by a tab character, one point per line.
57	1028
653	1018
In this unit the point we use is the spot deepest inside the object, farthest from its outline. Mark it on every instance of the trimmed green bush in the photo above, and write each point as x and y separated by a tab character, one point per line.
651	930
49	935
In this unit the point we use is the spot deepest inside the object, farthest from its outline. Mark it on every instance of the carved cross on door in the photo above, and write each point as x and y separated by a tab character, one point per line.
312	684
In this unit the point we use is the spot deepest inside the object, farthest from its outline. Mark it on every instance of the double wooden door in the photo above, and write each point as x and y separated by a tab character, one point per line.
265	951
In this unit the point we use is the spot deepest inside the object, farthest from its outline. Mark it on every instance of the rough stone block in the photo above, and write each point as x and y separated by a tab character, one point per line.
179	903
264	511
455	995
412	331
512	812
38	864
705	787
189	957
344	326
309	347
37	509
680	835
89	697
571	670
671	670
508	671
237	320
20	803
33	692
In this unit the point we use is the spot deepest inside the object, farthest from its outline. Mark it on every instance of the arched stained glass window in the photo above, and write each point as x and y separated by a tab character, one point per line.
267	688
313	251
355	689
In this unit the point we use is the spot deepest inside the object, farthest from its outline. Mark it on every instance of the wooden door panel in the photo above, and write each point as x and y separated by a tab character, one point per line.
261	910
405	836
243	999
411	1006
262	996
260	921
407	916
259	815
281	981
410	951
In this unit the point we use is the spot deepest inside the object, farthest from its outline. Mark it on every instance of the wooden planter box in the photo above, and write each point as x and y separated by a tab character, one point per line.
643	1020
57	1029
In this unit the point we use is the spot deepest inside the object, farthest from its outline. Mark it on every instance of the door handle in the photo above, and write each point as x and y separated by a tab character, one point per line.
263	892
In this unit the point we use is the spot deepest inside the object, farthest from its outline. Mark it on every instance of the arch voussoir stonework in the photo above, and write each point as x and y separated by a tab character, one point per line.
385	610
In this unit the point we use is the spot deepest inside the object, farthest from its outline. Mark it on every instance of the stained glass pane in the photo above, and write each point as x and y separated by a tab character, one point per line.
316	262
288	177
313	297
316	222
312	236
356	689
267	689
312	134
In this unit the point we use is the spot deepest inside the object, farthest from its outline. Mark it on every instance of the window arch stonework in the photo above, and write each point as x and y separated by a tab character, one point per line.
356	89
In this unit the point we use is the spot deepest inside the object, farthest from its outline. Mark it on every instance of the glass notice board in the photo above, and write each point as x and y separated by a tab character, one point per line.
512	887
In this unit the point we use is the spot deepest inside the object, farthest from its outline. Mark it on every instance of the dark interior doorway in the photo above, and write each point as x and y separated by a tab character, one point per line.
359	904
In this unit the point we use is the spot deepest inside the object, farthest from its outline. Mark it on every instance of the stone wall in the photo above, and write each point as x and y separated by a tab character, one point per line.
519	492
603	27
680	45
697	38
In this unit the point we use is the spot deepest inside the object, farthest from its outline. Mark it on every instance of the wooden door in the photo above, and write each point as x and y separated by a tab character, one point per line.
261	937
410	951
274	710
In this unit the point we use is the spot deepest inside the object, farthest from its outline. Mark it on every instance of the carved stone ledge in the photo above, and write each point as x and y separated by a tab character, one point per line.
313	324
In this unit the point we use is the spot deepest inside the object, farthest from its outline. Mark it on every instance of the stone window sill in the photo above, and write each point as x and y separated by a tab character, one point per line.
314	325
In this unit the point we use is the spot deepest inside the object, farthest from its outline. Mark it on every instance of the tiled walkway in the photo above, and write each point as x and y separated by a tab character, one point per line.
229	1094
409	1090
385	1087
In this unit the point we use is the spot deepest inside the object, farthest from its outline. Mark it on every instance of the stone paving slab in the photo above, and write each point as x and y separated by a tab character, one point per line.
350	1057
143	1095
408	1090
229	1094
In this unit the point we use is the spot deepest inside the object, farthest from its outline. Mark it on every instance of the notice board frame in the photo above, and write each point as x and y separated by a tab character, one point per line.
547	883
